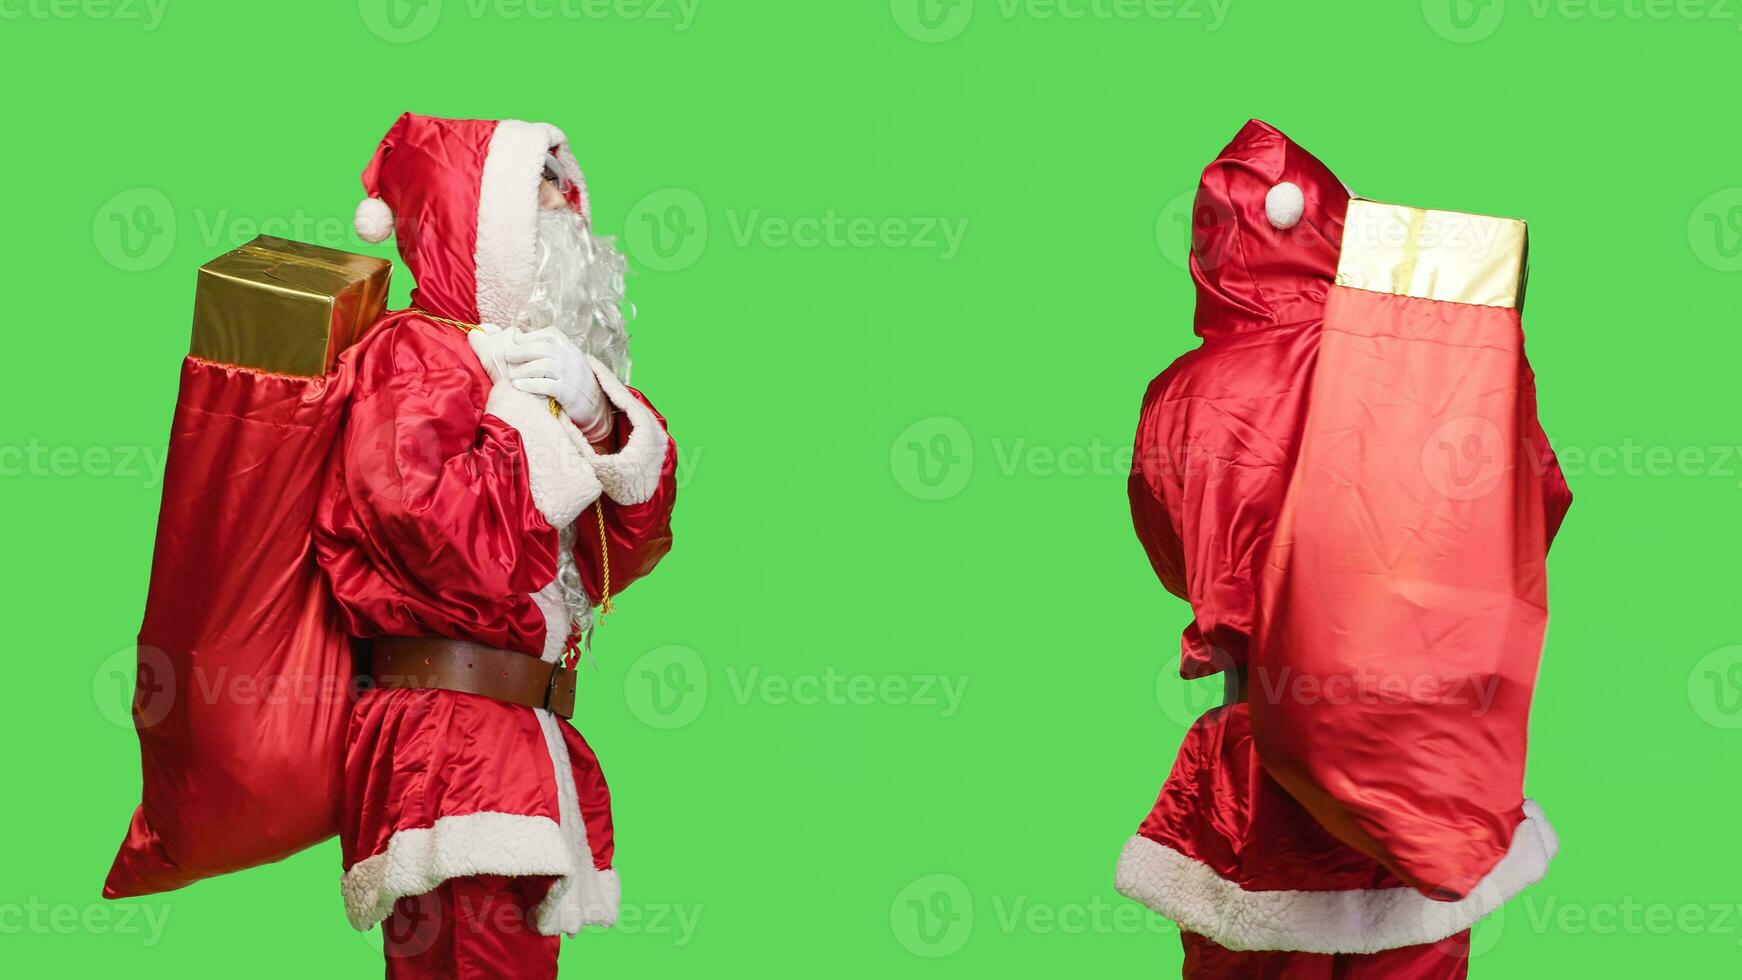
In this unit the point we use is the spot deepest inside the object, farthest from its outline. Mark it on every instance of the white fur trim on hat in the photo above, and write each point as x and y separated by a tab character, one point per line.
1284	204
374	221
508	212
1358	920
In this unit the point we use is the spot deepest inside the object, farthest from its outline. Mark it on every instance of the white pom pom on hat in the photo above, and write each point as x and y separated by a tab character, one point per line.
374	220
1284	205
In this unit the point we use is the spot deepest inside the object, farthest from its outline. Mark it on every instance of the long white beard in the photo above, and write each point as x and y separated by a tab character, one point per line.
577	287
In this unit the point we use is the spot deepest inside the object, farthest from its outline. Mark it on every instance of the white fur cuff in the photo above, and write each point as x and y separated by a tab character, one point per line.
630	475
1362	920
563	482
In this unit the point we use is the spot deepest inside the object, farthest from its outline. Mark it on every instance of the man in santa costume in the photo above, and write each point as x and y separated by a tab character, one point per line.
1285	484
497	482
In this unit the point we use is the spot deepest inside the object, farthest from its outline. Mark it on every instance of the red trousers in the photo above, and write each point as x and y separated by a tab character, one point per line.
476	928
1448	959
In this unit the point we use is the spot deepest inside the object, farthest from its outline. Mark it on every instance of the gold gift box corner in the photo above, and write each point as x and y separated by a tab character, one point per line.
286	307
1447	256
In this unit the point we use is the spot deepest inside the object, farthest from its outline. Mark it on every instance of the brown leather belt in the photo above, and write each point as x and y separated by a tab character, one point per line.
473	668
1233	685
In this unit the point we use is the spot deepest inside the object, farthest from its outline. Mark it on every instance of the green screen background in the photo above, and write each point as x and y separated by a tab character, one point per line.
906	683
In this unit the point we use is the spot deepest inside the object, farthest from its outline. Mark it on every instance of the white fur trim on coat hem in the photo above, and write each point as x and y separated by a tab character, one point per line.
630	475
562	480
417	860
1351	921
588	896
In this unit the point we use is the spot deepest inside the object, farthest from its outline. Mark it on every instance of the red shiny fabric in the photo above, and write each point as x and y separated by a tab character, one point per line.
473	928
427	170
1218	432
1409	573
639	534
429	525
429	528
245	671
1445	960
409	766
429	167
1220	807
1220	438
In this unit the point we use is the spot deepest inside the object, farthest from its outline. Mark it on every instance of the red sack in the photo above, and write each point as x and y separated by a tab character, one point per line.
1404	600
245	671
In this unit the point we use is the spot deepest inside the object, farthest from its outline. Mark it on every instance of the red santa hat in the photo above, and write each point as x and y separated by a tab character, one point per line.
461	196
1266	227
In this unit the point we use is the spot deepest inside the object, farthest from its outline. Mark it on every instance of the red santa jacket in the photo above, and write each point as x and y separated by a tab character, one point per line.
456	508
1226	851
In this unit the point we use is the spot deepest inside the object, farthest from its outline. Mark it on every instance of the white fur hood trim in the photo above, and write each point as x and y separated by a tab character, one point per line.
563	482
1353	921
631	475
504	256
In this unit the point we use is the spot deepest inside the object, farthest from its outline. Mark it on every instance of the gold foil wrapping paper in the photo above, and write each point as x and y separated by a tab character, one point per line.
285	307
1447	256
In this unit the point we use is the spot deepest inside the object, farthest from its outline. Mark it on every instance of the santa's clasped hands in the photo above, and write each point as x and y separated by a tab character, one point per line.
546	362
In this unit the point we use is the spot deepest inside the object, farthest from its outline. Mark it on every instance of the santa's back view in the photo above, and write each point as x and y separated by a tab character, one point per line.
1323	822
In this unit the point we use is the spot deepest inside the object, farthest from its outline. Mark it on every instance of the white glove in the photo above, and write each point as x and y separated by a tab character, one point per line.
546	362
492	343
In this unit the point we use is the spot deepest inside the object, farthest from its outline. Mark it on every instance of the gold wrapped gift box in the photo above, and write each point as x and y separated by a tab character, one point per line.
1446	256
286	307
